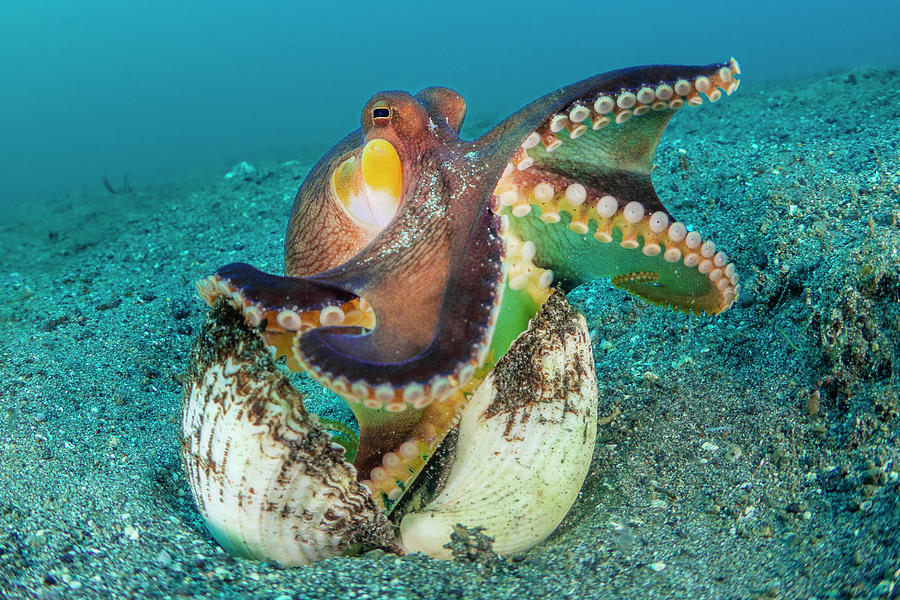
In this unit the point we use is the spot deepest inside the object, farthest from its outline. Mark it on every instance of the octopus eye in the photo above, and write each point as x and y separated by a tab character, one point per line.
380	114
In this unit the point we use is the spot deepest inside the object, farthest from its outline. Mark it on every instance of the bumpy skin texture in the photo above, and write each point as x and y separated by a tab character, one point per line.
394	318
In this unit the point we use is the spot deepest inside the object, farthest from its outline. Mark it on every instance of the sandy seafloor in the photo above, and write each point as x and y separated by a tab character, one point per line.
754	455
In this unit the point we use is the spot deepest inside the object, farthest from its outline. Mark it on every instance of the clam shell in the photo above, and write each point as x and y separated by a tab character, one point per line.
267	479
525	442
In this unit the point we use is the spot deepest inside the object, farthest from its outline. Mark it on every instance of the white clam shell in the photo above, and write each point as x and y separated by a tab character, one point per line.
268	480
525	442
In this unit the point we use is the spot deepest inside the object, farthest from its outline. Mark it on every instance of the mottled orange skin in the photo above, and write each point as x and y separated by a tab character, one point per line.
321	234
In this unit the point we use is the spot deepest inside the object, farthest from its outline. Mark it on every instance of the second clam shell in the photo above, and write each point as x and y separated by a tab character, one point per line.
525	442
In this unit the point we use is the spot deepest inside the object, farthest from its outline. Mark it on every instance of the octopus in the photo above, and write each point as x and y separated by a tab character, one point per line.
414	259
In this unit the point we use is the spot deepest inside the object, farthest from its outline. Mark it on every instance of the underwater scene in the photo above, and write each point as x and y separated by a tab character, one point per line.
472	300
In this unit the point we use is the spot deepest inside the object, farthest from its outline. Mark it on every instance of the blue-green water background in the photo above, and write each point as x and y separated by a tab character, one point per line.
155	89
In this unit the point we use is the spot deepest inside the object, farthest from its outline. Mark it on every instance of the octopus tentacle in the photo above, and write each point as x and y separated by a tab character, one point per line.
284	304
389	471
283	307
568	183
599	98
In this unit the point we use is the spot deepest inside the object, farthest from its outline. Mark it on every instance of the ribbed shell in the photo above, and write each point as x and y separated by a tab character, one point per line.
268	480
525	442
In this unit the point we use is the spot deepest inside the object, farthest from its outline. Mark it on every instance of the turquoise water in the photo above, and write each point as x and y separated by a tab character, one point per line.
754	454
99	88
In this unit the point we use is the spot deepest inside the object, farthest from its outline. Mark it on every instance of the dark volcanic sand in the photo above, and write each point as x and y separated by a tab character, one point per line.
754	455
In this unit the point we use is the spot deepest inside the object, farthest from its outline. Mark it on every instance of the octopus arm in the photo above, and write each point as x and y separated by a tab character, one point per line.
435	286
578	187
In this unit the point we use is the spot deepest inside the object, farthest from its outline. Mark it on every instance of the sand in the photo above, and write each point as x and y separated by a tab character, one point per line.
752	455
